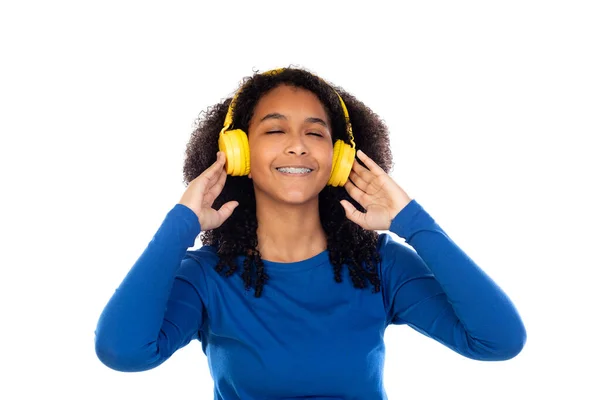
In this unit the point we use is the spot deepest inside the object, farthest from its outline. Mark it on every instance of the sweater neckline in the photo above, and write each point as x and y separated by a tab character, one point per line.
311	262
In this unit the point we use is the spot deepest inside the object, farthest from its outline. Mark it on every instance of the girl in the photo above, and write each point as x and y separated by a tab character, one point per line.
293	288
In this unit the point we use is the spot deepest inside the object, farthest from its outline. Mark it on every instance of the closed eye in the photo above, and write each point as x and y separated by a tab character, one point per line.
310	133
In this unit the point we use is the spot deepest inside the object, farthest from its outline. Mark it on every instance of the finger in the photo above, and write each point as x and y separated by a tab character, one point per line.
227	209
210	173
357	194
365	174
353	214
358	181
218	181
360	170
215	188
372	165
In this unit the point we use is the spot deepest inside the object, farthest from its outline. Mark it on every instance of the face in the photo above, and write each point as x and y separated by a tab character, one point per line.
291	146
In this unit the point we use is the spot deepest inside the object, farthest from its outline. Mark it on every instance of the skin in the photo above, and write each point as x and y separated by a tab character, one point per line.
303	138
287	207
289	227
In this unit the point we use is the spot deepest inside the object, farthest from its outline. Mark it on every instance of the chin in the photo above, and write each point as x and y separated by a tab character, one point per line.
297	198
289	195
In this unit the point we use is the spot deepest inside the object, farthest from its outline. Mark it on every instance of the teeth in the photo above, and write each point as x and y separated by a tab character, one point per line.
294	170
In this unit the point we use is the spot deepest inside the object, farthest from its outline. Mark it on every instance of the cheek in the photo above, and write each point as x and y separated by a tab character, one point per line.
326	157
261	155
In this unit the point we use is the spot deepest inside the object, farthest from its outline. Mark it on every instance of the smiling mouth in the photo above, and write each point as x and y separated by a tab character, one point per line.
294	171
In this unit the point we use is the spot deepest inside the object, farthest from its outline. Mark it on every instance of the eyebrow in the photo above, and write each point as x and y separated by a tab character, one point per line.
314	120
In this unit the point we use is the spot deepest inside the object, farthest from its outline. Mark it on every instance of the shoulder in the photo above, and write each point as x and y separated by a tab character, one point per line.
203	256
202	262
400	264
399	261
393	250
196	266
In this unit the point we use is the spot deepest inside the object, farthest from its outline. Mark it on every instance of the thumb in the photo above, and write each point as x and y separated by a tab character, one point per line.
227	209
352	213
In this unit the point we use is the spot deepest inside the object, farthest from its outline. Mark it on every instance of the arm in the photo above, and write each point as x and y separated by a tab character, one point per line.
439	291
158	308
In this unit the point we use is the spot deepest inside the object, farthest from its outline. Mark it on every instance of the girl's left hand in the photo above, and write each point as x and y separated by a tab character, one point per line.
376	192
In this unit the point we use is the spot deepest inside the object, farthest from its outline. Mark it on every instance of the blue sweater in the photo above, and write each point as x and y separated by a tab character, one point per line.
307	336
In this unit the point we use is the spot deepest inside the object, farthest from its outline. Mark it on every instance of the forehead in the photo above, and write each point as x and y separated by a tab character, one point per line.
289	100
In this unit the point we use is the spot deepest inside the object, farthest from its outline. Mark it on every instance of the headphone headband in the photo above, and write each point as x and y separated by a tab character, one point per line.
229	117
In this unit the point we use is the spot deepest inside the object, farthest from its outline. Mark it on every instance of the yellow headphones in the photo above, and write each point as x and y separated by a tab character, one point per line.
234	144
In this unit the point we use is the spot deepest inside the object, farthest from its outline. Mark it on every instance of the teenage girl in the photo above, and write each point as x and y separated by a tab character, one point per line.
293	288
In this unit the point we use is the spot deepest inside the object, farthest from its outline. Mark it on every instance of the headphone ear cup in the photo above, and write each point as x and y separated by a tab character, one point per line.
343	158
336	155
234	144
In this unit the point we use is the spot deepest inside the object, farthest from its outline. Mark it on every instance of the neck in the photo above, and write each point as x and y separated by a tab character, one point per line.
289	233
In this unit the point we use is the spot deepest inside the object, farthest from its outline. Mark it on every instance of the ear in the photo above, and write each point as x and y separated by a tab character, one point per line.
249	175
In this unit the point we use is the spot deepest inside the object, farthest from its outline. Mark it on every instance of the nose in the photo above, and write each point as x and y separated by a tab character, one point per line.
296	145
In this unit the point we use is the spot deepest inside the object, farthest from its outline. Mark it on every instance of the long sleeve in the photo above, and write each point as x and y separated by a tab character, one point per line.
155	309
441	292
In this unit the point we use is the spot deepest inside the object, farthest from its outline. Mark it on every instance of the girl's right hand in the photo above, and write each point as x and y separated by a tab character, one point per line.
202	192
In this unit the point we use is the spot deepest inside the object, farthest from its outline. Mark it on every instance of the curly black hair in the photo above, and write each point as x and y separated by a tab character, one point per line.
348	244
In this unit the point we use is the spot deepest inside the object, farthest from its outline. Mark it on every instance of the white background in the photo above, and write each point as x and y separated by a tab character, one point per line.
493	110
